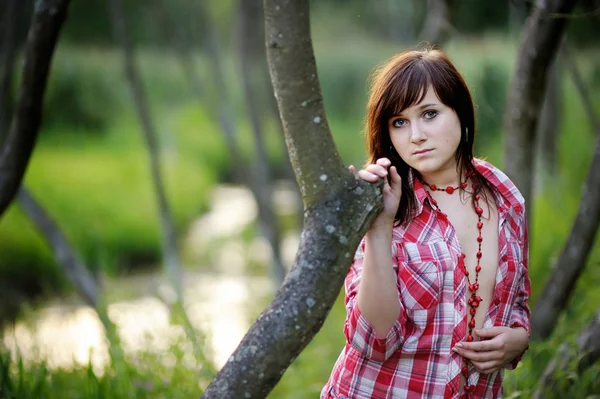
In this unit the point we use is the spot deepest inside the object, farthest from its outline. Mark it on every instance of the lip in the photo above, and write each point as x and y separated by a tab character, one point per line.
422	152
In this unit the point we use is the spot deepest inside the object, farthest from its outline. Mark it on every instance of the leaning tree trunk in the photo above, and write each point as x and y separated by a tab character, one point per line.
436	28
539	43
48	17
587	350
169	241
573	258
339	210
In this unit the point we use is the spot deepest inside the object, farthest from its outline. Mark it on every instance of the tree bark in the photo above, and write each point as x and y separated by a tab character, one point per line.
66	258
436	29
169	240
573	257
539	43
587	350
48	17
339	210
261	177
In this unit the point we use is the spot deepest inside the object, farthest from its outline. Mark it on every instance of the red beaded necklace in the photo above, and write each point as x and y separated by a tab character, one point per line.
475	299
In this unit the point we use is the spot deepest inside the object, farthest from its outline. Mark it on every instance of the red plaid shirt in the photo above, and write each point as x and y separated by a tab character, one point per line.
415	359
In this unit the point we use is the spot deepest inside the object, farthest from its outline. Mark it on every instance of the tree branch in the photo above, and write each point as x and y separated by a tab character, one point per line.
48	18
539	43
339	210
67	259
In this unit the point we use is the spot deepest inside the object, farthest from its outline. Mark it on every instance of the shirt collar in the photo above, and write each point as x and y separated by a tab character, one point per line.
511	197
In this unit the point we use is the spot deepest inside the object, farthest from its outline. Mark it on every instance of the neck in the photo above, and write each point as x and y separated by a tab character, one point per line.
443	178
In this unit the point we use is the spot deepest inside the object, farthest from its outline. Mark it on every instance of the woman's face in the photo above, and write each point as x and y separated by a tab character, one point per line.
426	135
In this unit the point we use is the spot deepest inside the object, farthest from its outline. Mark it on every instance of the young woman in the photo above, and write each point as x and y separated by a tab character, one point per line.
437	295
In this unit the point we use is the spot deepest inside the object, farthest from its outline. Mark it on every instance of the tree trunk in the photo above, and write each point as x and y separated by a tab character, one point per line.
581	88
539	43
248	49
257	178
8	50
573	258
588	352
547	134
169	240
48	17
436	29
339	210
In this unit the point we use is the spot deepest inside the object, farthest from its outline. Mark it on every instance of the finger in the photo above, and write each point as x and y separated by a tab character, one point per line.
351	167
486	367
377	170
490	332
479	356
367	176
385	162
395	181
482	346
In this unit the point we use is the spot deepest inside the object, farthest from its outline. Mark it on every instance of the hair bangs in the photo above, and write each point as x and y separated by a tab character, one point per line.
406	88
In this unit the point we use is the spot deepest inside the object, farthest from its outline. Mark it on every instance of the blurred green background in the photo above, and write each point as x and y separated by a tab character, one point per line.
89	170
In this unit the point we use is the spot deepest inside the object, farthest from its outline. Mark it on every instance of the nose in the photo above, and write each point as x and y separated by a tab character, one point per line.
417	134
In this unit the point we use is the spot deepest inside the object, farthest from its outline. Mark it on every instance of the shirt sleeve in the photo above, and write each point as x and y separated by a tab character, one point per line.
359	333
520	315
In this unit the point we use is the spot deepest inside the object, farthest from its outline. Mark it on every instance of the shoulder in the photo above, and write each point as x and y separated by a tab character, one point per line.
501	182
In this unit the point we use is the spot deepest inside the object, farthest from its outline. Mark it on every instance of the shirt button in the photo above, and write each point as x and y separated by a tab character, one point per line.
504	258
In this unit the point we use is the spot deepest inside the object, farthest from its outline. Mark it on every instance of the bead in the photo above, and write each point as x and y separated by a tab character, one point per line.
471	300
463	185
479	225
479	239
478	210
477	298
433	187
477	197
476	285
471	287
477	268
475	304
470	338
449	189
478	254
472	324
466	272
462	255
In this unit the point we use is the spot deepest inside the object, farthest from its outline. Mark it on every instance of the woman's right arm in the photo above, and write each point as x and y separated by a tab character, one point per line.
373	280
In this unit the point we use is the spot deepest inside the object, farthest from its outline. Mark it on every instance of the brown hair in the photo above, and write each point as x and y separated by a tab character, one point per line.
402	82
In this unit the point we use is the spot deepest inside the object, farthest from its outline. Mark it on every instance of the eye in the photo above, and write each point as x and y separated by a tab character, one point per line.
398	123
430	114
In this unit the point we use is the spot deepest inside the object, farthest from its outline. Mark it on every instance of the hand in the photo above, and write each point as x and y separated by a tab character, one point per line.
391	192
503	344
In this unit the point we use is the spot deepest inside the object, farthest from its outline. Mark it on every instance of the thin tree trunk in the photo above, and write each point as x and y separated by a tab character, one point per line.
588	352
581	88
261	177
339	210
574	255
169	241
547	135
436	29
48	17
539	43
8	52
257	179
66	258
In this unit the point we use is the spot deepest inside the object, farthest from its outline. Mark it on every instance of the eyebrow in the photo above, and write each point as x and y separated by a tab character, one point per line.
426	106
